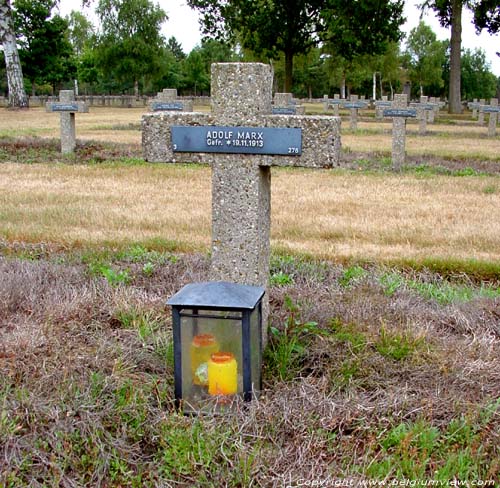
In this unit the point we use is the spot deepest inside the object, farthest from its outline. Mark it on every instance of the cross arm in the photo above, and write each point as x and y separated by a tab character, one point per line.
320	139
70	106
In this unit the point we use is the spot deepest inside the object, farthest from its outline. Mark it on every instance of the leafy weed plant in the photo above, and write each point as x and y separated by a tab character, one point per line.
288	347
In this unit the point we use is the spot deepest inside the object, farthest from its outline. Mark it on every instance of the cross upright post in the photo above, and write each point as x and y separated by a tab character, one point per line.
474	108
241	139
480	117
493	110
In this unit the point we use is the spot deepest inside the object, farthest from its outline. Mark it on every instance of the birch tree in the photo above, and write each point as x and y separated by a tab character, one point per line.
15	83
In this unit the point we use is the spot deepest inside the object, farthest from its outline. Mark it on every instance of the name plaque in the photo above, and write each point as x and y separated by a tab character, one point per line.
383	103
237	140
491	109
158	106
400	112
352	105
284	110
336	101
64	107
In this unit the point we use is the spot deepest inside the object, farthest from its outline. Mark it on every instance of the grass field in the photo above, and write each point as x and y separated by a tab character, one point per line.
383	359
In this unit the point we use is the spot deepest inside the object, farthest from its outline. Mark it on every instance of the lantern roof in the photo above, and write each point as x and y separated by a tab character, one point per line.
218	294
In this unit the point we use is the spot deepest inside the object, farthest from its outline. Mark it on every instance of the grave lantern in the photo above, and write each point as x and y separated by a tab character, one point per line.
217	334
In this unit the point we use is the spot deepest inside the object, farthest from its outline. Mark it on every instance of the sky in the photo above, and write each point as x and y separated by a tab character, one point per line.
183	25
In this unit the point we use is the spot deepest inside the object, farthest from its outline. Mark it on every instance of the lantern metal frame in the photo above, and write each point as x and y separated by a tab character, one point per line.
234	302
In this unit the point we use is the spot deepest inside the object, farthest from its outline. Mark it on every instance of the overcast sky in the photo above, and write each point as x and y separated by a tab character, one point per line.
183	25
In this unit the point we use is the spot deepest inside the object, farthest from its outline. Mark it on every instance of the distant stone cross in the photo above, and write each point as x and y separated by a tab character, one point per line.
167	100
422	108
399	112
241	140
492	109
380	105
67	106
354	104
284	105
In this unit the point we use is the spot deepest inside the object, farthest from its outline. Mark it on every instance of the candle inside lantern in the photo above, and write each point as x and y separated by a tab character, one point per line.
202	347
222	374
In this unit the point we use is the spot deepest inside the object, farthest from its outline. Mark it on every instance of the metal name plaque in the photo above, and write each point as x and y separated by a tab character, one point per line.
64	107
237	140
284	110
336	101
158	106
400	112
491	109
383	104
352	105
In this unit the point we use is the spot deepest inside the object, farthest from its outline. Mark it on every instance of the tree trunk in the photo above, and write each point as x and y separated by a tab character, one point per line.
288	71
342	86
136	89
455	102
15	83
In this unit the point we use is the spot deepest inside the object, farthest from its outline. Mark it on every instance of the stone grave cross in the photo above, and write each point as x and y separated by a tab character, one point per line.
167	100
354	104
67	106
241	139
399	112
493	109
284	105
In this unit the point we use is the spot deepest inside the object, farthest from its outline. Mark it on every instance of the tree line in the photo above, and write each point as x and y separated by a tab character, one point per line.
316	47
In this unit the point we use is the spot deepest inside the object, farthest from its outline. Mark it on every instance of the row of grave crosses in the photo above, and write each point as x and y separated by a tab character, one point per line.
480	109
284	104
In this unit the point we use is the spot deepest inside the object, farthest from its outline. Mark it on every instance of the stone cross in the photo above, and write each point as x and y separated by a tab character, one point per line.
167	100
433	109
399	112
335	103
493	109
422	108
474	105
380	105
354	104
67	106
284	105
241	140
480	117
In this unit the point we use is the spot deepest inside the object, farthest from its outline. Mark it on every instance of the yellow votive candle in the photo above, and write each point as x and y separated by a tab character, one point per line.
222	374
202	347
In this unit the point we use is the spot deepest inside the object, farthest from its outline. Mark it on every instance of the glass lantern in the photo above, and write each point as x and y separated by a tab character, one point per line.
217	333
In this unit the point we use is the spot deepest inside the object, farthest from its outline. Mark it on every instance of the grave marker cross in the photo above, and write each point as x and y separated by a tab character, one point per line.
167	100
399	113
67	106
241	121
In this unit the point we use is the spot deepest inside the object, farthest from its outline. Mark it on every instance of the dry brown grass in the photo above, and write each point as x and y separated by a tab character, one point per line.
340	216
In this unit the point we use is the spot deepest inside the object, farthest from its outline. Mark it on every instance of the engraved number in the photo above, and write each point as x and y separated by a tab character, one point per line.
293	150
175	147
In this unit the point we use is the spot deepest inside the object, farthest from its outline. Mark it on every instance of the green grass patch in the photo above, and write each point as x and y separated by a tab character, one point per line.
420	451
396	345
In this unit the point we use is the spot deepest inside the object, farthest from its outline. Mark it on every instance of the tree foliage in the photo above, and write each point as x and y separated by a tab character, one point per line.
130	45
267	27
45	50
425	58
477	79
449	12
362	27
